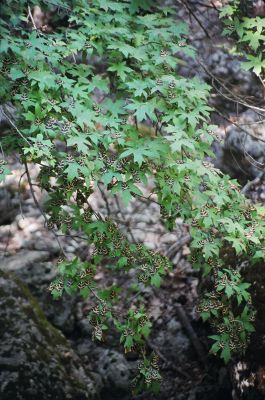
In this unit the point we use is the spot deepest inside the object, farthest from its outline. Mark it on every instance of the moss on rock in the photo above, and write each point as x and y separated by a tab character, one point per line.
36	360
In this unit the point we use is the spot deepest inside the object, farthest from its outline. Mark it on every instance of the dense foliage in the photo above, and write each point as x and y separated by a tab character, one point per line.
249	32
100	105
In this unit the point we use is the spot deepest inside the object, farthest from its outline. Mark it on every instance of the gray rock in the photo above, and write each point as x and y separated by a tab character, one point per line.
242	155
33	269
36	361
114	369
173	341
7	111
23	260
45	244
174	326
9	206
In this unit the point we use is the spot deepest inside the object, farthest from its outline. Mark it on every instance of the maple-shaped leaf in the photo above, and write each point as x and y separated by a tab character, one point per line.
16	73
254	62
80	141
72	170
143	110
121	69
115	108
136	5
138	154
139	87
44	78
83	116
112	5
99	83
123	48
156	280
253	38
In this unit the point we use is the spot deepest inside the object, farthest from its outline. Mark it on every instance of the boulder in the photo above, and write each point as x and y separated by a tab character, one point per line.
243	154
115	370
36	361
111	365
9	206
60	312
7	111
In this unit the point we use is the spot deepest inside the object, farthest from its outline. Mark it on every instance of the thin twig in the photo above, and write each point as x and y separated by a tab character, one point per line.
237	125
255	181
19	191
31	17
238	100
14	126
71	236
38	205
195	17
2	150
235	98
123	216
33	193
74	58
104	197
95	295
198	3
166	361
147	199
252	160
214	6
262	82
170	253
136	295
191	333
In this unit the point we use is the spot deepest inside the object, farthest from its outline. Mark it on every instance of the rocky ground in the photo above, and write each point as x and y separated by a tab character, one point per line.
30	252
46	350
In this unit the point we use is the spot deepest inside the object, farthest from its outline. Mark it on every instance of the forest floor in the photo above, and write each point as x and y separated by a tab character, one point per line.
30	251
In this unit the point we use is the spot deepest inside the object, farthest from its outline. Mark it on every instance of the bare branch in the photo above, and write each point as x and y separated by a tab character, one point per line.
39	207
195	17
32	19
255	181
14	126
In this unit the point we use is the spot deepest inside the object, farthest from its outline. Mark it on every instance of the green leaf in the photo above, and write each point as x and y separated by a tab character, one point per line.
254	62
205	316
4	172
121	69
156	280
145	330
126	197
72	171
229	291
16	73
80	141
226	353
143	110
128	342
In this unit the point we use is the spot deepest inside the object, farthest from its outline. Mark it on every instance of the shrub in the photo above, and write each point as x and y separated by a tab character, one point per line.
105	84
